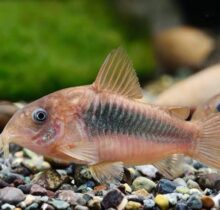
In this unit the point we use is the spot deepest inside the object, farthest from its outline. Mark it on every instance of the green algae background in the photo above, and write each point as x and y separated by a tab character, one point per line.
46	46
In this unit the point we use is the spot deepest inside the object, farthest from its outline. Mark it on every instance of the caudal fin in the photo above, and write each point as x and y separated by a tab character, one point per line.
207	148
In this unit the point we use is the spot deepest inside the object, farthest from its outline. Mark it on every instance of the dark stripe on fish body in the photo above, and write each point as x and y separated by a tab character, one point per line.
106	118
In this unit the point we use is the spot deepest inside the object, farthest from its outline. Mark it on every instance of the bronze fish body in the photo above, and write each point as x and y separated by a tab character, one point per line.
105	125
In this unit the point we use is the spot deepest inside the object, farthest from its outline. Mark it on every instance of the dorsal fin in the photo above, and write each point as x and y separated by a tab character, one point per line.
117	75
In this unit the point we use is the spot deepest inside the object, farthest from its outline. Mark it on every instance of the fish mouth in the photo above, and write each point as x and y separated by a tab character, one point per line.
5	139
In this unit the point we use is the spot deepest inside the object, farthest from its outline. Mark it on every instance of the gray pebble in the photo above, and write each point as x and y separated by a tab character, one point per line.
148	203
194	202
11	195
78	207
7	206
68	196
181	206
192	184
180	182
33	206
166	186
148	170
59	204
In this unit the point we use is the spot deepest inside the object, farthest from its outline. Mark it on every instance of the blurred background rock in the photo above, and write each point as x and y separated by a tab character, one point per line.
49	45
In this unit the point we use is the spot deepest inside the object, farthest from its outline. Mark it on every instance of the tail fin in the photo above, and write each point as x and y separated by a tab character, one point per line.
208	144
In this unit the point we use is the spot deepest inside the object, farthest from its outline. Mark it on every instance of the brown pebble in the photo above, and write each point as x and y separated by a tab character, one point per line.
100	188
38	190
207	202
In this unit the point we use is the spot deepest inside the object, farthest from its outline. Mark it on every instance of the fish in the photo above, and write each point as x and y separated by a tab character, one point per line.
107	126
204	110
194	90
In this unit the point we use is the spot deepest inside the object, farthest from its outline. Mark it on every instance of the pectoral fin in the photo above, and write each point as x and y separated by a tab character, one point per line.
170	167
107	172
177	111
83	151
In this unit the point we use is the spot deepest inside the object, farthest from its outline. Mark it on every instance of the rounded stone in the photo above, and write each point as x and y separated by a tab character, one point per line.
33	206
207	202
194	202
141	192
114	199
7	206
182	190
162	202
180	182
143	183
192	184
68	196
181	206
47	206
11	195
78	207
148	203
166	186
38	190
132	205
59	204
148	170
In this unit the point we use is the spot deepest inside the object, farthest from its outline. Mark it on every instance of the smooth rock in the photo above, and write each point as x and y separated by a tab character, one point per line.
33	206
141	192
210	180
162	202
114	199
59	204
180	182
216	200
26	188
181	206
147	170
38	190
28	201
182	189
85	173
95	203
194	191
143	183
136	198
148	203
207	202
165	186
47	206
127	188
172	198
7	206
78	207
3	184
11	195
131	205
68	196
192	184
49	179
194	202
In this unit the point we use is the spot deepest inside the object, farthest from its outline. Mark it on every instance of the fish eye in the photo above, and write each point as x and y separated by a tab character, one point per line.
39	115
218	107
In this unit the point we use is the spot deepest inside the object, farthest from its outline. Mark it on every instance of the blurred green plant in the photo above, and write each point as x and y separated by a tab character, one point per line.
46	46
